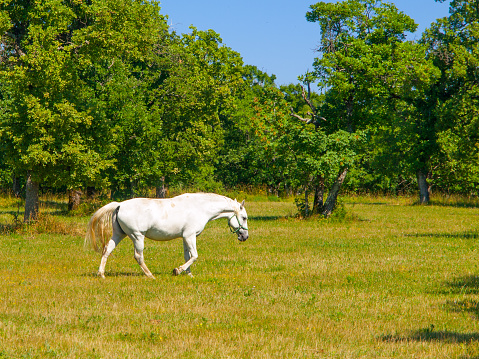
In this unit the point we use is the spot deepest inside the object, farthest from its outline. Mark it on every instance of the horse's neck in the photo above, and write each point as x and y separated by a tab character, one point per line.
223	209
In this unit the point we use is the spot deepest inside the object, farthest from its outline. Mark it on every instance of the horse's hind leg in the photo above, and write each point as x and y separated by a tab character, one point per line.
115	239
139	243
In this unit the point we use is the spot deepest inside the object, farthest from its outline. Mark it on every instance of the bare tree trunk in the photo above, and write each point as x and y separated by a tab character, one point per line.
90	193
423	187
318	195
31	200
306	202
307	186
162	188
74	197
16	186
333	193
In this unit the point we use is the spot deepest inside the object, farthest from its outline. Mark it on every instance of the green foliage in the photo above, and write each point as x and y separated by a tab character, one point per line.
244	160
302	207
453	102
104	94
378	82
54	76
99	93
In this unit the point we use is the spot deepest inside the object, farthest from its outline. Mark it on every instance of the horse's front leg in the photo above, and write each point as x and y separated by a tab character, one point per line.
190	254
139	244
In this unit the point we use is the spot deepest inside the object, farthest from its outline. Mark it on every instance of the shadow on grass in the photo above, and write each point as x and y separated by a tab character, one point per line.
7	229
463	285
431	335
465	235
370	203
467	305
58	206
456	204
55	209
123	274
13	224
265	218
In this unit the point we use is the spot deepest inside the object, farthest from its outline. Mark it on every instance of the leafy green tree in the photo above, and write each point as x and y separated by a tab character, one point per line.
370	72
323	151
56	57
452	103
243	158
206	84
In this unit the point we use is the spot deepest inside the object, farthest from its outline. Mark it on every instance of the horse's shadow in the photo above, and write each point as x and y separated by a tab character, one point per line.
138	274
118	274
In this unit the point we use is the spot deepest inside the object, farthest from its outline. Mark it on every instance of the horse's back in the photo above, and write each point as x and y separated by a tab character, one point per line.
158	219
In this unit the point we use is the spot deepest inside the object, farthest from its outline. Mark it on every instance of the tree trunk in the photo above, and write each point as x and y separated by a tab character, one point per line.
423	187
318	195
306	202
74	197
333	193
16	186
31	200
162	188
90	193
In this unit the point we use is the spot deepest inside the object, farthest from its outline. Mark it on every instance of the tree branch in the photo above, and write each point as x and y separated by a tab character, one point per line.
308	101
307	120
314	115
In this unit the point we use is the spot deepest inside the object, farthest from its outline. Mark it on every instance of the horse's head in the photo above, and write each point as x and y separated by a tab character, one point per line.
239	223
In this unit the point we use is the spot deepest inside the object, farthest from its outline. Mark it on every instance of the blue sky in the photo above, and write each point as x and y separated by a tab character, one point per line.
274	35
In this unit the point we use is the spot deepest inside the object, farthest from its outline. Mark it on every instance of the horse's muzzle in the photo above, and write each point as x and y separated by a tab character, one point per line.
242	235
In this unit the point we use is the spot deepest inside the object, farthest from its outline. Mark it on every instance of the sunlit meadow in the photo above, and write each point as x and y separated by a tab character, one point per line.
390	280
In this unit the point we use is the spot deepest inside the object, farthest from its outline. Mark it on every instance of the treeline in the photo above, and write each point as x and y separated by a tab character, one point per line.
103	95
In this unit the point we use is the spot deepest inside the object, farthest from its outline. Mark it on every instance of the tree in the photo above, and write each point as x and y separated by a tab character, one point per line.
243	157
453	102
56	57
189	87
197	93
327	152
370	72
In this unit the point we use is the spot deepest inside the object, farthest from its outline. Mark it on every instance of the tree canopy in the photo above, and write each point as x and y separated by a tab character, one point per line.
104	94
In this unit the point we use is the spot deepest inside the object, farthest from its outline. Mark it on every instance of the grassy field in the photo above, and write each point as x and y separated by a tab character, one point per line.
392	280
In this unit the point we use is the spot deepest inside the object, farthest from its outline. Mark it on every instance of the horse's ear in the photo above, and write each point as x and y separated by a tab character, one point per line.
242	204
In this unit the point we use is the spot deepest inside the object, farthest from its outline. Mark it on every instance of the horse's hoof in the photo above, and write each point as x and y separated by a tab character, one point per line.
101	275
176	271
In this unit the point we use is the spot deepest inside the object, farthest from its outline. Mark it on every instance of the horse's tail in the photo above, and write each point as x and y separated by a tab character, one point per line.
98	227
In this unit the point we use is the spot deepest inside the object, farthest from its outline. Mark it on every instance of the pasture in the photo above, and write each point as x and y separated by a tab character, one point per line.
391	280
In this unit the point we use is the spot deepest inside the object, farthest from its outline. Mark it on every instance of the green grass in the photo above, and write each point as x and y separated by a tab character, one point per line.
392	280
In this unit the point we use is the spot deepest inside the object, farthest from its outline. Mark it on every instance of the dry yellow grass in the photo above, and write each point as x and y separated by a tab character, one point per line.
393	280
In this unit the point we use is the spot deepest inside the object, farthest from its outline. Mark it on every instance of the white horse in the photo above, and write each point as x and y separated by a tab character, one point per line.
162	220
